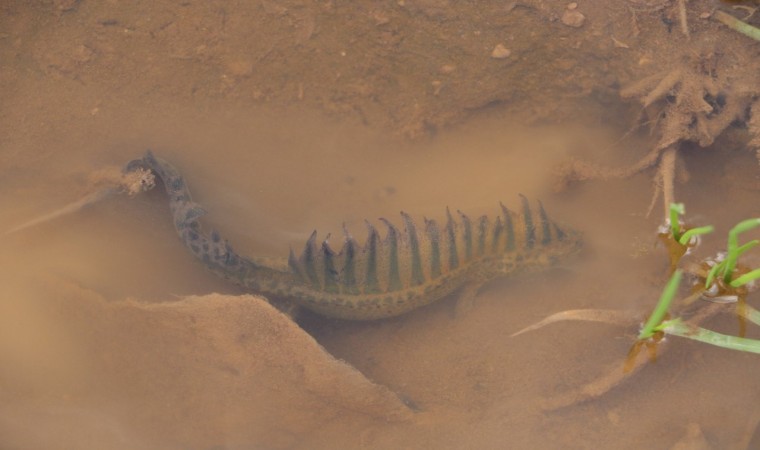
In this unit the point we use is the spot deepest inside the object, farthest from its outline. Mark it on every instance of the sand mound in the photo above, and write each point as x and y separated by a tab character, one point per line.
201	372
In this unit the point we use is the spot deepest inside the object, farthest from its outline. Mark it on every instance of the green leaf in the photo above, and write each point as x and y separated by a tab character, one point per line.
676	209
662	306
676	327
686	237
713	273
746	278
733	246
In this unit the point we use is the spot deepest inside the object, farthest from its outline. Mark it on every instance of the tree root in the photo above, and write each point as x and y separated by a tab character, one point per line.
106	183
608	316
692	102
754	128
618	372
665	175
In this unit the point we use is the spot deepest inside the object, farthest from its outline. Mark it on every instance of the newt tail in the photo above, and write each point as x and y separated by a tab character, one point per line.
387	276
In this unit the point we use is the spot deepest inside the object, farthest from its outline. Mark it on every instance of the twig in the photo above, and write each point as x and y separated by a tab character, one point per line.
132	183
68	209
613	317
682	18
619	373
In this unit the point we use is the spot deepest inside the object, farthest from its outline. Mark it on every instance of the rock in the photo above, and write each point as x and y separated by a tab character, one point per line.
239	68
65	5
573	18
500	52
693	440
447	69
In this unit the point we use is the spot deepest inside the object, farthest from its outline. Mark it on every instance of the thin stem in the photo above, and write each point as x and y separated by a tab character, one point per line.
662	306
676	209
737	25
713	273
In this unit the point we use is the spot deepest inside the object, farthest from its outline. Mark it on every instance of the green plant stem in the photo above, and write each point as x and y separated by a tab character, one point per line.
676	209
713	273
662	306
737	25
677	327
733	246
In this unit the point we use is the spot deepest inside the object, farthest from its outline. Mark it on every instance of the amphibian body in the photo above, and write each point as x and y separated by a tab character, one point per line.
387	276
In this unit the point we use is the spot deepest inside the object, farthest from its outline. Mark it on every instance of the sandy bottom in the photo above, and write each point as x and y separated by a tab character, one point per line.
113	337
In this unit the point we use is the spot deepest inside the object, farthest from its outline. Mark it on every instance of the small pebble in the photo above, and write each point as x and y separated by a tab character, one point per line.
693	440
381	18
500	52
619	44
437	86
240	67
572	6
573	18
705	15
447	69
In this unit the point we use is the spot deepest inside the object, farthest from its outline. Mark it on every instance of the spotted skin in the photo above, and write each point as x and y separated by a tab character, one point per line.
387	276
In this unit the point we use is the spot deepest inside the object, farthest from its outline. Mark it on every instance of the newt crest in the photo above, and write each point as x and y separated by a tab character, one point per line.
388	275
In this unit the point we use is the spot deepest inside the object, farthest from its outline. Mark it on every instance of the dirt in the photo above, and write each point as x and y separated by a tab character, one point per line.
289	116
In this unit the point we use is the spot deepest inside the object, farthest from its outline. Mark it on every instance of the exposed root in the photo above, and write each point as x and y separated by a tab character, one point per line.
682	18
751	438
666	173
754	128
608	316
651	6
692	102
130	183
617	373
107	182
576	170
695	101
655	196
613	376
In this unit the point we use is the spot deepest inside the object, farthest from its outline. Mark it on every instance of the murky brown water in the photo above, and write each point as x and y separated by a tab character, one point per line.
100	346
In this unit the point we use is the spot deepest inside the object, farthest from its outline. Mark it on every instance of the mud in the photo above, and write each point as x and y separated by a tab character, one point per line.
291	116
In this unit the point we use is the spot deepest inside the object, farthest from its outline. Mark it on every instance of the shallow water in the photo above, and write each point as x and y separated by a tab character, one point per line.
266	189
270	175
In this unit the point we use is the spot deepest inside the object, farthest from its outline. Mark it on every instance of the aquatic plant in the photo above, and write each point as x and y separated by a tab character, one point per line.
719	281
682	234
655	319
678	327
728	284
725	268
678	237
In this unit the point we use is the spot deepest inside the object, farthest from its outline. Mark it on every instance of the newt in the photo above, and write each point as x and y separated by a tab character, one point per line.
387	276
